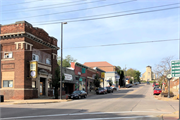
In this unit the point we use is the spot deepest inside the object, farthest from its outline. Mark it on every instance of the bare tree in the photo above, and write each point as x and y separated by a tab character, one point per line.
162	69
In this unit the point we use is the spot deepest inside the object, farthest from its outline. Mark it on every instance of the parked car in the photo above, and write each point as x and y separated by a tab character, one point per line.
157	91
109	89
156	86
101	91
136	83
78	94
129	85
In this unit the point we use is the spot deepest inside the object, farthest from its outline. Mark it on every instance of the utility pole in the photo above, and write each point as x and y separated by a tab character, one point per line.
61	58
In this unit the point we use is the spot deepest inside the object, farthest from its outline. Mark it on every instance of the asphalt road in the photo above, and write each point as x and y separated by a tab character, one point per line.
127	104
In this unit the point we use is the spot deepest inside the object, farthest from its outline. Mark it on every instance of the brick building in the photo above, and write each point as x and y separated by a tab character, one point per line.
110	71
20	44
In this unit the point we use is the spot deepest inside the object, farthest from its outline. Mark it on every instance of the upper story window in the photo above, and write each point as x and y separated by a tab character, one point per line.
35	57
48	61
8	55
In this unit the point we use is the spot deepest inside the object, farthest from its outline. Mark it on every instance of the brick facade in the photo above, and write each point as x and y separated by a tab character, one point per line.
29	38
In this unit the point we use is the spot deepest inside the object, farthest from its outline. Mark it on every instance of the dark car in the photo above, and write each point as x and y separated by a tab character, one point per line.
101	91
128	85
109	89
78	94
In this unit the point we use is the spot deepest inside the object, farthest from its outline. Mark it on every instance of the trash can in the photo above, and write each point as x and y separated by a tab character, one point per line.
2	98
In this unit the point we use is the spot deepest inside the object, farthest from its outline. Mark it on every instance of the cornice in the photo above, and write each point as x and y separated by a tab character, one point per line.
30	36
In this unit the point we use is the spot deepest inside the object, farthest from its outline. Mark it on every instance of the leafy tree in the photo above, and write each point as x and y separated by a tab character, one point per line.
137	75
97	81
56	82
67	61
110	82
121	74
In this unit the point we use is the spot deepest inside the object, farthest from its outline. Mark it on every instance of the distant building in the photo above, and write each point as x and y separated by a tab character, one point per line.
148	75
110	71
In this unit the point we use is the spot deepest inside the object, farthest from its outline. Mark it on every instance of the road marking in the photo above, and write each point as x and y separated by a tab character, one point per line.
75	114
114	118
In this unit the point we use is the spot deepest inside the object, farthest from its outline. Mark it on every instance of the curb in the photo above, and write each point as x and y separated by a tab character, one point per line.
30	102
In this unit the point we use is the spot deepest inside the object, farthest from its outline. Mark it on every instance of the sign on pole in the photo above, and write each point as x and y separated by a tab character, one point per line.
175	68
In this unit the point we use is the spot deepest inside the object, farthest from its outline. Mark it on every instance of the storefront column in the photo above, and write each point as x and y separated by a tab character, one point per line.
46	87
38	85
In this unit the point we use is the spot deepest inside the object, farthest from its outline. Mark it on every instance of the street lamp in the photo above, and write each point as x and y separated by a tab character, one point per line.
61	58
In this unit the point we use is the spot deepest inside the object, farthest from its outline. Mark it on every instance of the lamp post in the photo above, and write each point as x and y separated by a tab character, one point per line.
61	58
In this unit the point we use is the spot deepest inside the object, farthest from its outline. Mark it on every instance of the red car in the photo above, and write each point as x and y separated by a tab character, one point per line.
157	91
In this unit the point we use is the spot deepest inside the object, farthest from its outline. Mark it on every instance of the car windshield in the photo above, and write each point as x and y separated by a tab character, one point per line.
75	92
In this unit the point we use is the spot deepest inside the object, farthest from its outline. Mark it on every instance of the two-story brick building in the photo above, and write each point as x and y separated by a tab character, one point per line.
20	44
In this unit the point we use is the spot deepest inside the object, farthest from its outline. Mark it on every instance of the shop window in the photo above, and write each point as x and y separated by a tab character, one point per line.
33	84
35	57
7	83
49	85
8	55
48	61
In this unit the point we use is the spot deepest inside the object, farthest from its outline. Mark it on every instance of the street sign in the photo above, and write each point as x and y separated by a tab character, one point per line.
175	68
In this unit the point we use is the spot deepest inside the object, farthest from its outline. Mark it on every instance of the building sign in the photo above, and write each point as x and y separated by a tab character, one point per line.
68	76
79	73
175	68
102	75
33	69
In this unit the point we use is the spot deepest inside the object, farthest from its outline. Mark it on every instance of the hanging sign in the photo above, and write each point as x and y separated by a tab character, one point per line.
33	69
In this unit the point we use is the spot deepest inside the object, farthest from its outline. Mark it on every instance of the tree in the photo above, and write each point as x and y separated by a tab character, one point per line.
67	61
56	82
162	69
130	72
110	82
97	81
137	76
121	74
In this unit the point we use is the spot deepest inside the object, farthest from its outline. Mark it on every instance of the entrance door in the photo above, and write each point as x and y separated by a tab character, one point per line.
42	86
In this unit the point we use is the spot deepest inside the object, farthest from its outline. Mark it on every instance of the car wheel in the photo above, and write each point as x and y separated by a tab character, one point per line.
79	97
85	96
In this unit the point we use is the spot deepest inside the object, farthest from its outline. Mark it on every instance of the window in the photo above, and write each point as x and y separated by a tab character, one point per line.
35	57
48	61
50	85
33	84
7	83
148	73
8	55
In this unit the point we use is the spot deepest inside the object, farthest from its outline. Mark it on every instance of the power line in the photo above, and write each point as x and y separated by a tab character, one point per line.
108	16
76	10
58	5
23	3
105	45
110	13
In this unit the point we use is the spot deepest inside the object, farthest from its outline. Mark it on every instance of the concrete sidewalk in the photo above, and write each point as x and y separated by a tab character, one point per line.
34	101
173	116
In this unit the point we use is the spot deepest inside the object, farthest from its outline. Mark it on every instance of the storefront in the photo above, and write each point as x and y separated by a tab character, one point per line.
69	81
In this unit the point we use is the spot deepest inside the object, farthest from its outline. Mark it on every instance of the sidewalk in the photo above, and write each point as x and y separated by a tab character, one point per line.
173	116
35	101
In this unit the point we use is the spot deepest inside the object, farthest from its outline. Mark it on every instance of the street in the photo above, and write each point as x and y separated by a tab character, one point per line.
131	103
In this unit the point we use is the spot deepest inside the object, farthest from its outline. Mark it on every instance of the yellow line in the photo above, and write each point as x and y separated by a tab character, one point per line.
129	93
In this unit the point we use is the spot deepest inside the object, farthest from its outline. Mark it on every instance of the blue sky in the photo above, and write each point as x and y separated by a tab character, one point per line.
134	28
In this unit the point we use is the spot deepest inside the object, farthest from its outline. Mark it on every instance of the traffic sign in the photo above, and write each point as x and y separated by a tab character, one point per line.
175	68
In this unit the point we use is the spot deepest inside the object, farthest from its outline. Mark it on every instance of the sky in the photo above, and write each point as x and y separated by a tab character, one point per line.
151	26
